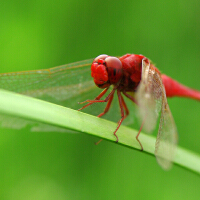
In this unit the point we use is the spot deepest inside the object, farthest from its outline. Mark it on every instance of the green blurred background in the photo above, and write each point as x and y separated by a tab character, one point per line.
43	34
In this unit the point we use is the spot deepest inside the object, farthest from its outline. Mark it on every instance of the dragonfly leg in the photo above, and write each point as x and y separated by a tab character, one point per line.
108	99
121	105
139	134
130	97
97	99
107	106
96	143
125	107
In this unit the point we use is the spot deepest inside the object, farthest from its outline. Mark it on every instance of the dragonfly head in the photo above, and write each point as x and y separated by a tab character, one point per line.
106	70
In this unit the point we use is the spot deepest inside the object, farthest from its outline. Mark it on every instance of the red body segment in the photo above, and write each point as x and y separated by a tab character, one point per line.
173	88
132	69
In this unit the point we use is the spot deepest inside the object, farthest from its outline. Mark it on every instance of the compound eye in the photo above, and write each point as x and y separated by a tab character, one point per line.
102	57
114	69
113	62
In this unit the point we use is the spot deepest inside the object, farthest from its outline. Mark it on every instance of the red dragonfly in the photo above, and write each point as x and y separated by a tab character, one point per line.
136	73
132	75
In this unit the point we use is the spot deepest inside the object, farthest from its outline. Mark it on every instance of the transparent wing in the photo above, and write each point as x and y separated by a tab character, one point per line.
55	84
149	96
64	85
167	138
16	122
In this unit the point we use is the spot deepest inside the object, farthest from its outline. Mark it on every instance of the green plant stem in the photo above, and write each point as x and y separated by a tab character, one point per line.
41	111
